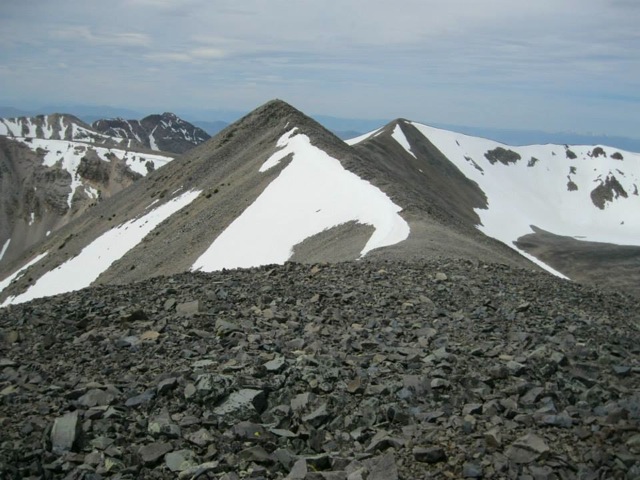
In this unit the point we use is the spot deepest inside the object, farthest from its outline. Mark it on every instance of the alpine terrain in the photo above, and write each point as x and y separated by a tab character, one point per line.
279	303
53	168
570	209
166	132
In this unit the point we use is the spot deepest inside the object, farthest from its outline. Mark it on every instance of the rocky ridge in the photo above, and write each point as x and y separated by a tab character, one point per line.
57	126
361	370
166	132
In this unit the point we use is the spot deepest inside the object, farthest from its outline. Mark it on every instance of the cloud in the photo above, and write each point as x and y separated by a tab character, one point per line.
195	55
447	61
123	39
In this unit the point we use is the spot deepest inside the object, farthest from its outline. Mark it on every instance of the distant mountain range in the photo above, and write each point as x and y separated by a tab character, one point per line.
55	167
214	120
277	186
166	132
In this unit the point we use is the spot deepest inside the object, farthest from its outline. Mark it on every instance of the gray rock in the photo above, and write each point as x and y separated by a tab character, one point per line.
95	397
381	441
622	370
301	401
527	449
65	433
189	308
318	417
441	277
472	470
382	467
213	386
275	365
429	454
202	437
224	327
440	383
151	453
493	439
472	409
515	368
558	358
169	303
633	443
163	425
180	460
256	454
298	471
249	431
189	390
563	420
141	399
243	404
7	362
198	470
166	385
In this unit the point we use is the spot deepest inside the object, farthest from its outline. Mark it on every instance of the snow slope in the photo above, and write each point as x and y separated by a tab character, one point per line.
549	189
68	155
364	137
52	127
18	273
83	269
4	248
312	194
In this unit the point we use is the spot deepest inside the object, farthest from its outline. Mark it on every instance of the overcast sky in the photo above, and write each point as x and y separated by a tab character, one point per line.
555	65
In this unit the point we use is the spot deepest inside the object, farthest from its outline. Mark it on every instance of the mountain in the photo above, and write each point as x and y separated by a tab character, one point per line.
53	168
266	189
165	132
570	209
277	186
55	127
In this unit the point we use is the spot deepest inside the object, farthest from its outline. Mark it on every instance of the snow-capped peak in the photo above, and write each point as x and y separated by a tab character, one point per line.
586	192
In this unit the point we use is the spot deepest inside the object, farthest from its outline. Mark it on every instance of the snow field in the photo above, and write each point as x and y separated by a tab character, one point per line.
83	269
312	194
520	195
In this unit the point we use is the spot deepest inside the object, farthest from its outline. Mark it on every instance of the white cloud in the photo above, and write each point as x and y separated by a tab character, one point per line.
354	58
124	39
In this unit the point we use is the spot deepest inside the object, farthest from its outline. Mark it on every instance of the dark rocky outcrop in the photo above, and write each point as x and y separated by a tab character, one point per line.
607	191
166	132
502	155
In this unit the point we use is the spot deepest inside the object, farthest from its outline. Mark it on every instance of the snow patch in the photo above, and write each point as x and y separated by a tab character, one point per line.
18	273
4	248
83	269
362	138
313	193
91	192
68	155
275	159
399	136
152	140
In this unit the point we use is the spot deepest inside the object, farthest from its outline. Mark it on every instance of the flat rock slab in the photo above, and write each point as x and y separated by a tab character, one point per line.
65	432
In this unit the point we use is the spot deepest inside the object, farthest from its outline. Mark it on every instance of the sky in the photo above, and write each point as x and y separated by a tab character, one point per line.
568	65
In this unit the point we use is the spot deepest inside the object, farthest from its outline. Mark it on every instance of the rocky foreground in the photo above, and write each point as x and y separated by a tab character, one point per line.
372	371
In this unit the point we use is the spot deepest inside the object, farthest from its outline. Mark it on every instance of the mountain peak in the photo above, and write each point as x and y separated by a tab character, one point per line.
276	115
278	109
